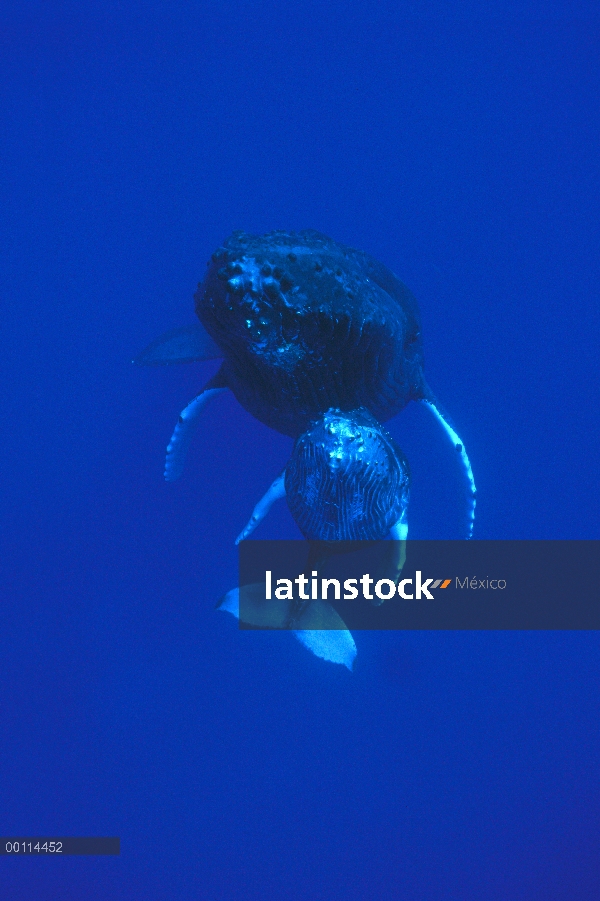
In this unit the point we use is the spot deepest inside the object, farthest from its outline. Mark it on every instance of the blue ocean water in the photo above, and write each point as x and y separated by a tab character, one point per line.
461	152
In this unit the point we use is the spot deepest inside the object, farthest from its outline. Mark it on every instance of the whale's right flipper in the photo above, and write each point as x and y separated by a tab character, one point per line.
186	426
189	344
275	493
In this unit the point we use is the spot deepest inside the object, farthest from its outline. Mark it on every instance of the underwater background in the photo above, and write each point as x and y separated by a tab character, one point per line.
464	154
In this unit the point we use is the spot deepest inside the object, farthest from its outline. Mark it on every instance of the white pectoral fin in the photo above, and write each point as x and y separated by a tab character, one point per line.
464	461
275	493
399	534
184	432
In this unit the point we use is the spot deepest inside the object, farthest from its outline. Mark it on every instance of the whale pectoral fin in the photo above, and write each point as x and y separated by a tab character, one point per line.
459	447
275	492
189	344
399	534
184	431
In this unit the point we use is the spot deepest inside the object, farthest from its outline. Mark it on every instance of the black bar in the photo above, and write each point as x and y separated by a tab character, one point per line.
472	584
58	846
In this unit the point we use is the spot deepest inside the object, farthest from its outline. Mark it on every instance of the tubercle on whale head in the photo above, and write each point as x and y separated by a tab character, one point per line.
246	302
299	273
306	324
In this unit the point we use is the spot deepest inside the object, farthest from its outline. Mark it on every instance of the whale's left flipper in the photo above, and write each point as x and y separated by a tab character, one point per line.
184	430
399	534
430	403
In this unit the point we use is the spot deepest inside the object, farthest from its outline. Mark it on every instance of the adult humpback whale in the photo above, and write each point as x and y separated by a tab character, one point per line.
321	342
